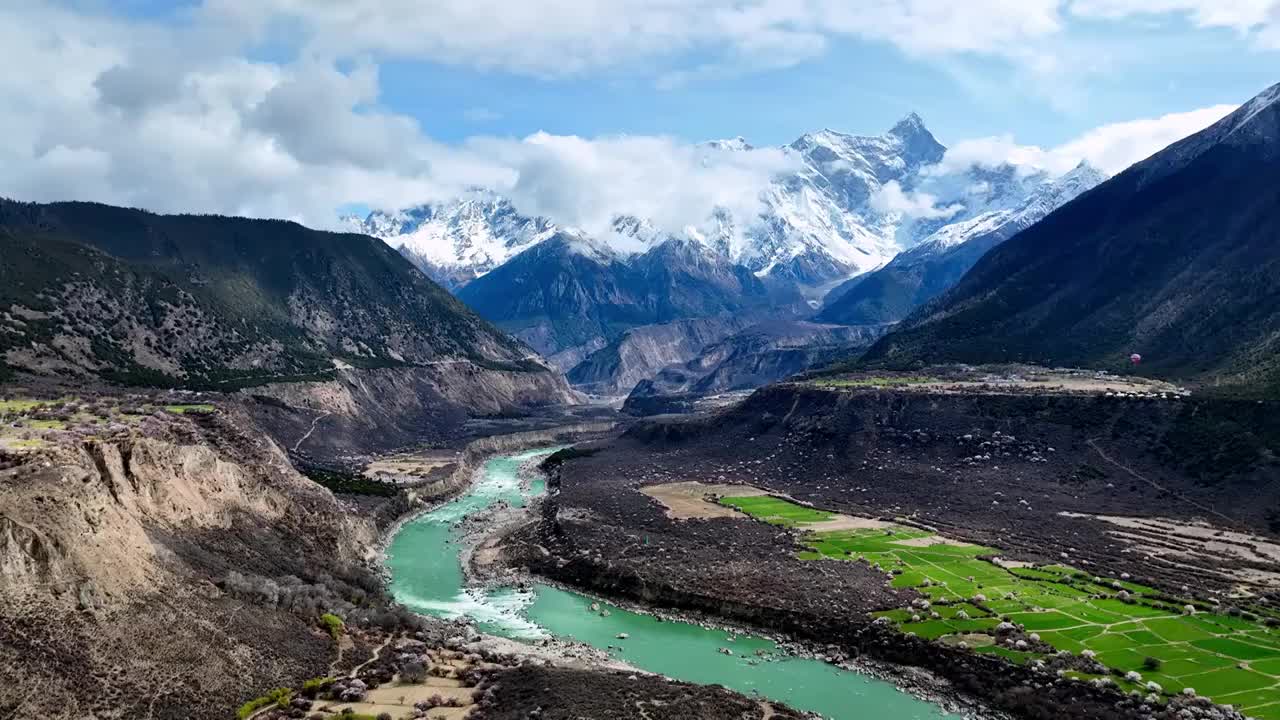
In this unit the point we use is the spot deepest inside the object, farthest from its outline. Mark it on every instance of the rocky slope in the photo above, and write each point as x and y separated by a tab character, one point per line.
112	549
926	270
641	352
130	296
758	355
315	323
1173	259
359	412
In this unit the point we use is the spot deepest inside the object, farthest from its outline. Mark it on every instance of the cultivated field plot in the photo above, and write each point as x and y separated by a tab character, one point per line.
776	511
30	424
1230	656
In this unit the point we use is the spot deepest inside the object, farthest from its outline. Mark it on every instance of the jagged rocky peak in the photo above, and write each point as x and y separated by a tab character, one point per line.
906	147
919	145
459	239
736	144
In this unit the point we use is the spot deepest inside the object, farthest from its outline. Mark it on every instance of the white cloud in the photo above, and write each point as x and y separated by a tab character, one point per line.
1110	148
891	198
585	183
177	119
559	37
93	116
1259	19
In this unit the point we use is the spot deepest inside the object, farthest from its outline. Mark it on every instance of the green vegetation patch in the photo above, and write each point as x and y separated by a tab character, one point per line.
1144	632
350	483
333	624
1236	649
21	405
1229	680
315	686
190	409
1129	626
776	511
279	697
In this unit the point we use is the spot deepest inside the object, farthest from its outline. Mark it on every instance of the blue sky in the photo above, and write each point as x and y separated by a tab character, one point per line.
858	86
578	108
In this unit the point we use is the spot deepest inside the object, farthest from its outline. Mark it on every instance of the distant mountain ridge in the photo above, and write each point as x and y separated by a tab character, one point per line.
816	225
201	300
1175	259
854	204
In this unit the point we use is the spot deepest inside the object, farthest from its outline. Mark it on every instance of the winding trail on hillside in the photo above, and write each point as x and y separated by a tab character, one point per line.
314	423
1093	443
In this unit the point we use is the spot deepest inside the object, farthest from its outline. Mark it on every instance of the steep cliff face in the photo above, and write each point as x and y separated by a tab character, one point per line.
760	354
364	411
86	519
641	352
110	551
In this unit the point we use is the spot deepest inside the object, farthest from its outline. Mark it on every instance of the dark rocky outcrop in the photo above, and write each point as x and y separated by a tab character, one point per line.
641	352
762	353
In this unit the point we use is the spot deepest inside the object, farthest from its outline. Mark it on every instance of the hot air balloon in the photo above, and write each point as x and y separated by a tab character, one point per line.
1135	358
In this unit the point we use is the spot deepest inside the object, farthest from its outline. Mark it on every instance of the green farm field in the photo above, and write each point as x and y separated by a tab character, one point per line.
1128	627
776	511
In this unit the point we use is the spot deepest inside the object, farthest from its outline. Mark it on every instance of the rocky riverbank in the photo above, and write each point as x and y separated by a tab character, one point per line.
488	561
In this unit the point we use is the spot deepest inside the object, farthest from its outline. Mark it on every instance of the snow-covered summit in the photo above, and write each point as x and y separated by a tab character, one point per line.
457	240
1011	201
818	224
736	144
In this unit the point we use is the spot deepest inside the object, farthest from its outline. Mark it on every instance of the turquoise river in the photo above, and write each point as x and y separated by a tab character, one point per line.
427	578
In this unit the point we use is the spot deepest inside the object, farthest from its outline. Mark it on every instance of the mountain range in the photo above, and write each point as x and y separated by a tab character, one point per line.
568	294
1174	259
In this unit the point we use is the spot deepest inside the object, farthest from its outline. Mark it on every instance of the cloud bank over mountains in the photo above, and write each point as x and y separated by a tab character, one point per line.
209	110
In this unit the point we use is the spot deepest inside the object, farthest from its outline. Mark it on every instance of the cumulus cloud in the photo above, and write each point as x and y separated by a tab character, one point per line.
180	118
587	182
559	37
1110	148
891	198
94	116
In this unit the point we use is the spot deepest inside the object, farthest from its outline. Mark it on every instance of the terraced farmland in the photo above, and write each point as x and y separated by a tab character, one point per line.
1138	634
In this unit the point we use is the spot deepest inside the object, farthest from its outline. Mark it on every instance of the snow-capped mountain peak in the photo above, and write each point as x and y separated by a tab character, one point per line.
458	240
735	144
822	223
1021	200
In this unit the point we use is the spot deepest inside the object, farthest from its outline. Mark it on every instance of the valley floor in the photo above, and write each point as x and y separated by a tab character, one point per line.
1125	537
